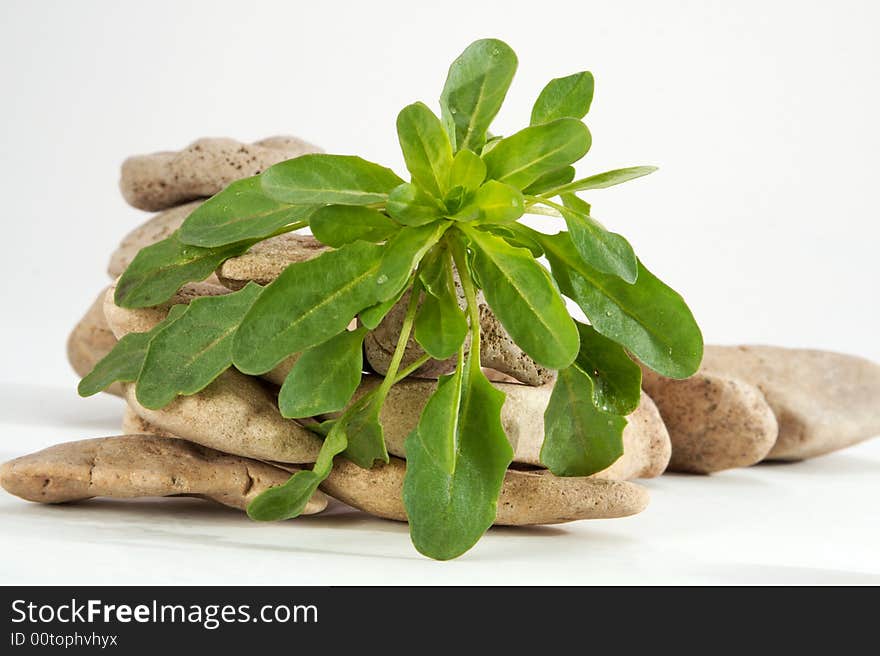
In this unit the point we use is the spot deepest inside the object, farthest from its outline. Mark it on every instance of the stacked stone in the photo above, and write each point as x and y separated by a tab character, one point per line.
229	442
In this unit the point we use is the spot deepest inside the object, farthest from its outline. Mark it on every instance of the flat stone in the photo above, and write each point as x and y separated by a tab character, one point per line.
141	466
234	414
265	261
527	497
90	340
161	180
823	401
715	422
155	229
646	443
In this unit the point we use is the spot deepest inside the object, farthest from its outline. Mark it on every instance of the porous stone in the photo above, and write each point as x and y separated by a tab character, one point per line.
646	443
715	422
90	340
527	497
234	414
265	261
141	466
823	401
155	229
161	180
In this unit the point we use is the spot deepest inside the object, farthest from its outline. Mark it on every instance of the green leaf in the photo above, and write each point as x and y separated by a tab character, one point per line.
438	425
440	325
357	425
366	441
238	213
517	239
402	254
289	500
124	361
600	180
579	438
606	251
191	352
499	202
337	225
373	315
158	271
522	158
551	179
524	299
320	179
324	377
564	97
411	206
474	91
307	304
648	318
449	512
468	170
617	380
426	148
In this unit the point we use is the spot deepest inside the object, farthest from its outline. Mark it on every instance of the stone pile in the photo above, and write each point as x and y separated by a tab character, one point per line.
229	442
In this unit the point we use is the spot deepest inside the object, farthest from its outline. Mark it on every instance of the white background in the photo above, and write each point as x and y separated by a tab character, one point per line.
763	118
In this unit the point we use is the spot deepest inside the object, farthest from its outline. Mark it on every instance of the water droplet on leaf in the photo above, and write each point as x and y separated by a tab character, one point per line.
381	280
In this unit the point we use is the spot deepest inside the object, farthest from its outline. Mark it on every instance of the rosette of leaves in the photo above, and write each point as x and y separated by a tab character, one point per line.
458	216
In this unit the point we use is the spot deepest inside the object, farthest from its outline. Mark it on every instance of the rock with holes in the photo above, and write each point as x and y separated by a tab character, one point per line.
161	180
646	443
141	466
91	340
266	260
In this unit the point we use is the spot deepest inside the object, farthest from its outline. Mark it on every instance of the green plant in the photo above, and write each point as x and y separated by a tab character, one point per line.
458	216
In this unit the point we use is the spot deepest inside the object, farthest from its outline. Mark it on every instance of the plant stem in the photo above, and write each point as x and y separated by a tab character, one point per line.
400	349
406	371
470	294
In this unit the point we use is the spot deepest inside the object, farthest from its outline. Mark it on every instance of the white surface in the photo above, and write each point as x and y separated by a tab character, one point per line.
810	522
762	116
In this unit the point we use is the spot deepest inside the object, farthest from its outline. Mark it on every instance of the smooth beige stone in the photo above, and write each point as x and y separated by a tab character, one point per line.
134	424
90	340
527	497
715	422
646	443
154	229
234	414
141	466
823	401
265	261
161	180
